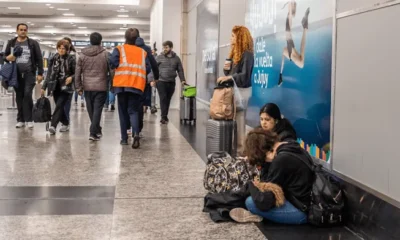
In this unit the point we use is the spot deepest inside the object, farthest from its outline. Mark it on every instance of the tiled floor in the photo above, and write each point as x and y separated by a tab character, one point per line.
64	187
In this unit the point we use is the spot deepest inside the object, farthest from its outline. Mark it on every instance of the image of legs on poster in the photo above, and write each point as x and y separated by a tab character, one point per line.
290	51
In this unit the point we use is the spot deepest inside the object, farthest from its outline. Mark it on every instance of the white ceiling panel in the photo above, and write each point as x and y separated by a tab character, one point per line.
52	19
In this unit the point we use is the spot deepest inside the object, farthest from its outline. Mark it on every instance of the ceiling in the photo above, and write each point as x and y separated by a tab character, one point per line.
51	20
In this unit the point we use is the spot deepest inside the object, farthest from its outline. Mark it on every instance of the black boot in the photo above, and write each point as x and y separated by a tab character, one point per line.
136	142
304	22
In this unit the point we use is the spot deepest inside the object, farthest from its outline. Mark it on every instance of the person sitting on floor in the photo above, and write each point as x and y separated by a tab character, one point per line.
281	165
272	120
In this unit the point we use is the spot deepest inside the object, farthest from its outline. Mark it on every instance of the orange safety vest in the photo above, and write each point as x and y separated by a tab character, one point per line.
131	72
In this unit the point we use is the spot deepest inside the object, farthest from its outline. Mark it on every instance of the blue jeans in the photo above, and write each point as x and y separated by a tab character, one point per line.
110	99
76	97
287	214
129	105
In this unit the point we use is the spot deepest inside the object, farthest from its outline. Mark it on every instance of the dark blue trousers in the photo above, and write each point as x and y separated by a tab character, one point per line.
129	105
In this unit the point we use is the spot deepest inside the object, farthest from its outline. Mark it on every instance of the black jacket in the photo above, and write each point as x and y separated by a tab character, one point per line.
291	174
50	82
170	67
36	54
241	72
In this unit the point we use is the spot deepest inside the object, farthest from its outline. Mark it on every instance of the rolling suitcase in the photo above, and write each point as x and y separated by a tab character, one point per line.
188	110
221	136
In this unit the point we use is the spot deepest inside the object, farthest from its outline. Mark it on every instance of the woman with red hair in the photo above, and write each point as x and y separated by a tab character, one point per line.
238	67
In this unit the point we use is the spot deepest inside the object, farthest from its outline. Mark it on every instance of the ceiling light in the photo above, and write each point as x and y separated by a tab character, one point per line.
123	28
14	8
48	26
28	22
32	24
48	4
51	7
122	11
74	25
62	9
69	14
121	6
123	16
82	27
5	26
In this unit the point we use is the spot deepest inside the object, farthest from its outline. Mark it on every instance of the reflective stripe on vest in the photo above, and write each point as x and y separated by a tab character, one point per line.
131	75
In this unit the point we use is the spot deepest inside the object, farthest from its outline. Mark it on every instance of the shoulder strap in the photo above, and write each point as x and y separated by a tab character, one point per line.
310	164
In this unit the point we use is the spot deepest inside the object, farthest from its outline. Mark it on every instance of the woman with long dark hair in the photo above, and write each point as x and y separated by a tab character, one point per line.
271	119
58	83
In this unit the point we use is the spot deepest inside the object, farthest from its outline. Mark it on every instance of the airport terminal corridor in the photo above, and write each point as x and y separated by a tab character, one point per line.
65	187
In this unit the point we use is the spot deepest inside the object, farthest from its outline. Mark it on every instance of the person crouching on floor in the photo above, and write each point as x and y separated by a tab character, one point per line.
282	169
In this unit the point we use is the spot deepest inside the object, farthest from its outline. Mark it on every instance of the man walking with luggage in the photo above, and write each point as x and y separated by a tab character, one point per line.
170	66
28	56
91	74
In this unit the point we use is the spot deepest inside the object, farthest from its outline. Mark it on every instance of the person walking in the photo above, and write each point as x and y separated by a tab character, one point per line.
146	96
170	67
67	107
129	62
29	61
91	76
59	84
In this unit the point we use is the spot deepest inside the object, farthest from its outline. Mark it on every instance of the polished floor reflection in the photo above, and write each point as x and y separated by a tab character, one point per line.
65	187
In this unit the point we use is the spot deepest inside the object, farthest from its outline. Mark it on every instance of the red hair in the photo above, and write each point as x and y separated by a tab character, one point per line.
244	42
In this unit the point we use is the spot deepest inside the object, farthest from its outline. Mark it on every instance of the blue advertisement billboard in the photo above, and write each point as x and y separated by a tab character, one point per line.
293	66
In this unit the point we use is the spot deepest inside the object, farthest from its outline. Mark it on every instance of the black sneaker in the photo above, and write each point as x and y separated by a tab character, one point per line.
163	121
304	21
94	138
136	142
280	80
112	108
124	142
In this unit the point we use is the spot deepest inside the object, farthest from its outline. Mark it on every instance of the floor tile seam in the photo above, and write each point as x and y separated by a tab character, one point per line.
187	143
157	198
71	198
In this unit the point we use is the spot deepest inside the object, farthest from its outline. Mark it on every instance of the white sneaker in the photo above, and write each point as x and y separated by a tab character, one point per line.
64	128
52	130
20	125
30	125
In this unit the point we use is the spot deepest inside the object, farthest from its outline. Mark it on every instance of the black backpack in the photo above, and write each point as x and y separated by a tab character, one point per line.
42	110
327	200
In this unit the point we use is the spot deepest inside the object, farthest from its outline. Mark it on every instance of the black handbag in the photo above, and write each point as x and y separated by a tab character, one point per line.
7	71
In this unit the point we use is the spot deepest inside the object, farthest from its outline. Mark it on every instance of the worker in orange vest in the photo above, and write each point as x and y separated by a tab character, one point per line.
131	64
